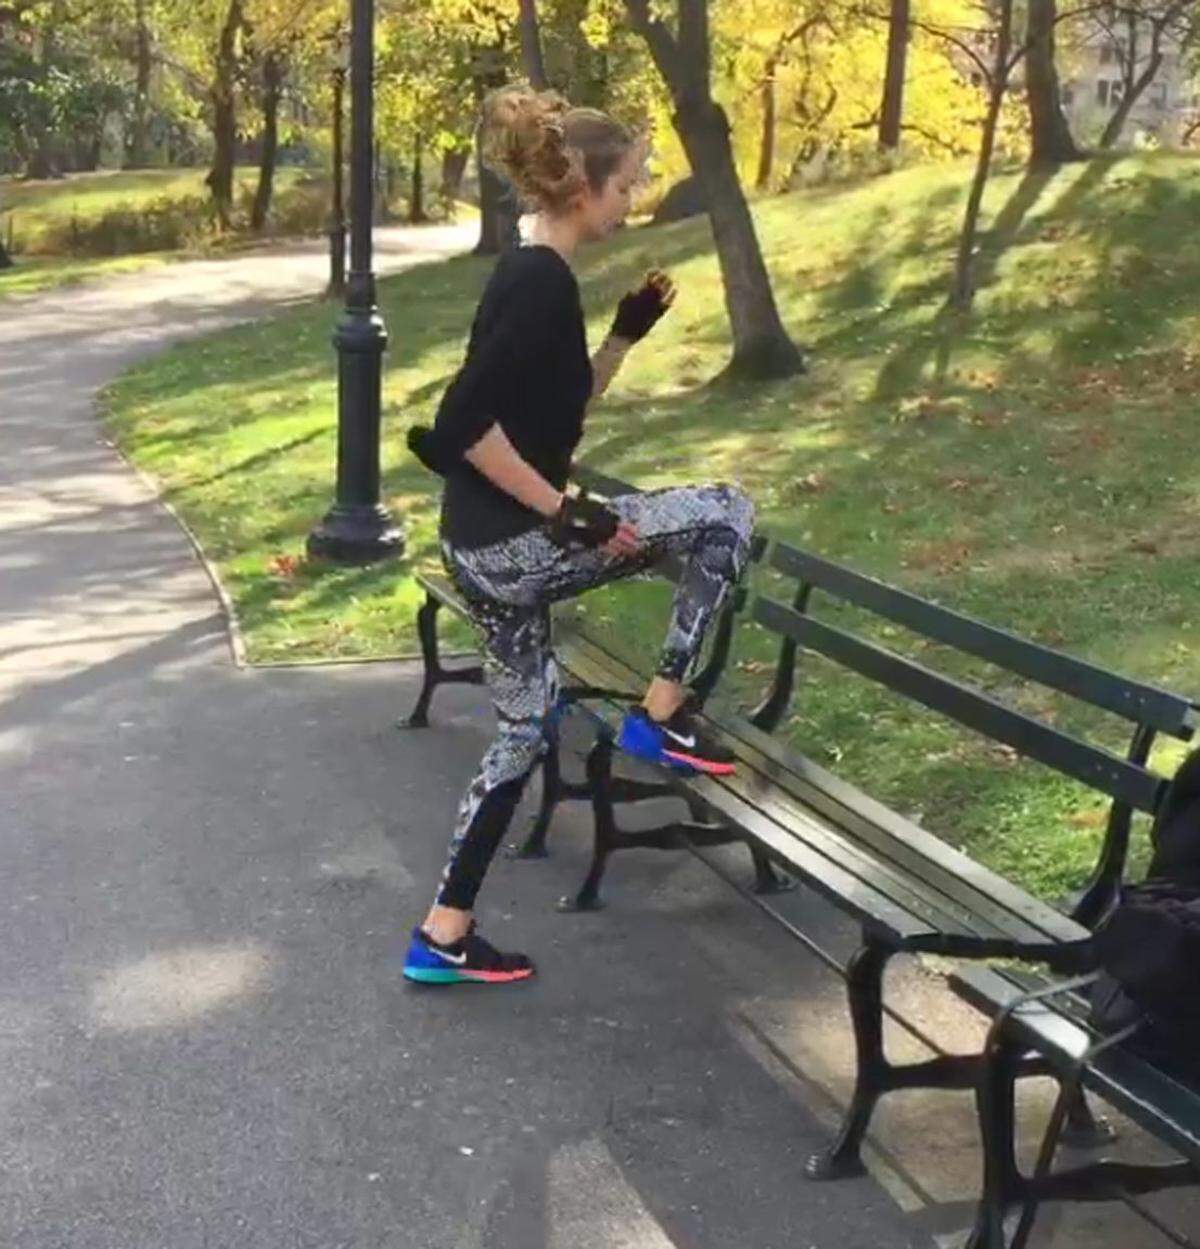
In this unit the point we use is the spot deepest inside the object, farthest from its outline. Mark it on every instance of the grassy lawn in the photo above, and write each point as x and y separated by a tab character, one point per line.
39	273
1027	465
37	206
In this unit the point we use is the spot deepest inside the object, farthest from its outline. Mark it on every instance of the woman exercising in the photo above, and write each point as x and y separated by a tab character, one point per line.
513	541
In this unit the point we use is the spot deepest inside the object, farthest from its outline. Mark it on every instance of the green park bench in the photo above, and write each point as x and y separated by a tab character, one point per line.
907	890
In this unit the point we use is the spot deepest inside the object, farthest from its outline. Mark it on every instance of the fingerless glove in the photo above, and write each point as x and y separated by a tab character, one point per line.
582	522
640	310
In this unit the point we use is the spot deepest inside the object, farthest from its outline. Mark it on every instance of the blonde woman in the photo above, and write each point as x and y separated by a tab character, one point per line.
513	540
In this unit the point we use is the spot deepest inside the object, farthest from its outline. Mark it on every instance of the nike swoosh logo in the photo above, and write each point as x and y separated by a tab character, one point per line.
457	959
689	742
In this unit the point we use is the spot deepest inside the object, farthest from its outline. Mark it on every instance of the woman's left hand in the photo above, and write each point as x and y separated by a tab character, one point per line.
624	543
641	310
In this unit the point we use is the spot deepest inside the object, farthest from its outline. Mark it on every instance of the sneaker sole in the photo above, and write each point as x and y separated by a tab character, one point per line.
448	975
710	767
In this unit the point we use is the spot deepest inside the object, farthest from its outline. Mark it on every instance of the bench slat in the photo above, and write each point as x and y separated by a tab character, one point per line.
998	904
903	861
1094	767
827	874
751	788
1164	1106
1134	700
442	589
601	483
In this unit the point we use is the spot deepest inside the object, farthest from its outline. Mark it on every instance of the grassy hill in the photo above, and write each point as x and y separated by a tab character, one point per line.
1029	465
40	207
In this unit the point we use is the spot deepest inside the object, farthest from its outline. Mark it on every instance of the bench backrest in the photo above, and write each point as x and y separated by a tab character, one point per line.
1130	784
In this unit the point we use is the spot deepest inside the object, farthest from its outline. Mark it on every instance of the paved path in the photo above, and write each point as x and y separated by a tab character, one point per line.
204	1041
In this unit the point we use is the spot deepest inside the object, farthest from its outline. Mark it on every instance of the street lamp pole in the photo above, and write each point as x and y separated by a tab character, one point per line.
358	529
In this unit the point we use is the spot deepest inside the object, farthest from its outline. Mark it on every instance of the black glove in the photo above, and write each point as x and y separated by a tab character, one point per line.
640	310
582	522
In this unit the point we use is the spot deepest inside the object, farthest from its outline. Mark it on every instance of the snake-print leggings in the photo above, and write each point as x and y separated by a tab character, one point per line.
509	587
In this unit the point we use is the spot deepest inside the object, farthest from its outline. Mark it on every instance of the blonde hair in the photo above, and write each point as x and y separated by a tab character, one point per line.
547	150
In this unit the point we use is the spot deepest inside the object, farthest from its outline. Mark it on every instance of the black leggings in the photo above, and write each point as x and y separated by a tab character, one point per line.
509	587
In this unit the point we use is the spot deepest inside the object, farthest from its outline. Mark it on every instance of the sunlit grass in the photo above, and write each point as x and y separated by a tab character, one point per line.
1028	464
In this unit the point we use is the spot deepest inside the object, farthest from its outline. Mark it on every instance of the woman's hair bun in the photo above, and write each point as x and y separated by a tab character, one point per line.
524	141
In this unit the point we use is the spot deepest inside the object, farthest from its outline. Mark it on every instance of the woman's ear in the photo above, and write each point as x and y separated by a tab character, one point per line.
579	201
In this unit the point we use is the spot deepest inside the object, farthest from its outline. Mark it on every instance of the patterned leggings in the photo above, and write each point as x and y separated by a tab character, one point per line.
509	587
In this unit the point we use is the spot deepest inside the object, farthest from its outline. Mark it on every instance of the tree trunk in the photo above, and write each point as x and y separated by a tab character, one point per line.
964	276
416	201
761	346
1051	143
454	165
42	164
337	206
43	159
272	88
532	60
891	112
137	154
498	208
88	149
6	261
1134	91
497	213
766	149
220	176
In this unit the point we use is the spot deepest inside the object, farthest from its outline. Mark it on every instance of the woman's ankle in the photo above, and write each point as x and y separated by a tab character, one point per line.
446	924
663	699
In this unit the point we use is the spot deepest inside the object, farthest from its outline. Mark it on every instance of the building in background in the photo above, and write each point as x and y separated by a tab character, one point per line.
1098	59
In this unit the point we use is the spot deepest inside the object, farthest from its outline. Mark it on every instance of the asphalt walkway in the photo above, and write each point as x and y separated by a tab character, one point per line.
207	873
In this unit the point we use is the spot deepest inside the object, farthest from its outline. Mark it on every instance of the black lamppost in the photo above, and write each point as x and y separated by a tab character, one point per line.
337	214
358	529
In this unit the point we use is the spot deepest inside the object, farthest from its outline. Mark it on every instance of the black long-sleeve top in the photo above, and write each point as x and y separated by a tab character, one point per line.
526	369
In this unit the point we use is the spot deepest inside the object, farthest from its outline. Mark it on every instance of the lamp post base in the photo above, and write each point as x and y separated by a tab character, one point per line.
356	535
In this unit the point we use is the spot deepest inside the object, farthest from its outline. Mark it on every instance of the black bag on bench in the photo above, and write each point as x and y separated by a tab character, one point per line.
1149	948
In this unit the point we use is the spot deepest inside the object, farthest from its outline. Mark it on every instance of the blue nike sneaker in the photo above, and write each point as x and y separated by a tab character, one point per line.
680	742
469	960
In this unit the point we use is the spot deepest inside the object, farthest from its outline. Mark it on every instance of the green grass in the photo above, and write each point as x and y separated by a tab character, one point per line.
37	206
40	273
1030	465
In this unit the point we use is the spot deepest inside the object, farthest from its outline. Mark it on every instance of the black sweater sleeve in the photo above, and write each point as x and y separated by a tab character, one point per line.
519	321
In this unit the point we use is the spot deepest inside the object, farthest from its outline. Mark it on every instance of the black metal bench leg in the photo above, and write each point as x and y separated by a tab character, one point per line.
435	674
534	846
427	632
864	985
599	775
768	879
1002	1180
1083	1128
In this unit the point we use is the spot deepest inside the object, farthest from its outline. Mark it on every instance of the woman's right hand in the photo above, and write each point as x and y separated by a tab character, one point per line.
641	310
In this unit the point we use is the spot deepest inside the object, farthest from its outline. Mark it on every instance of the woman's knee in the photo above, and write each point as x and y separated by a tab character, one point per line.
517	748
738	507
731	520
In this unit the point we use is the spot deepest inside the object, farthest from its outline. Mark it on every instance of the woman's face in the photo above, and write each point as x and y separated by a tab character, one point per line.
603	211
